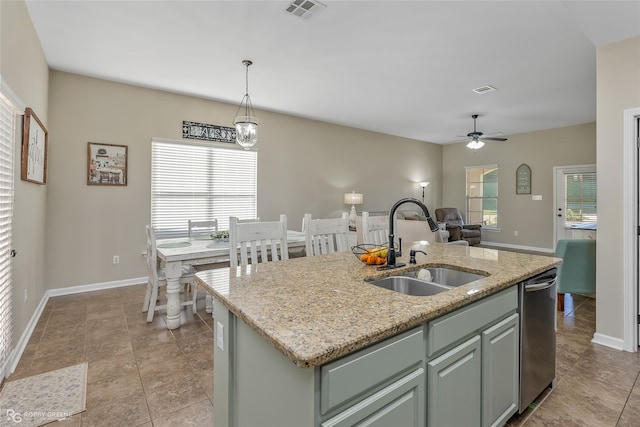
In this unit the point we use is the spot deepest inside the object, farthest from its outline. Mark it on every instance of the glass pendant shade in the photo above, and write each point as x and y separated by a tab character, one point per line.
246	131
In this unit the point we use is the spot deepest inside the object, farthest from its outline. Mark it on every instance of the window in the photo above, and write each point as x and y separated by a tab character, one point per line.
200	181
482	195
7	133
581	198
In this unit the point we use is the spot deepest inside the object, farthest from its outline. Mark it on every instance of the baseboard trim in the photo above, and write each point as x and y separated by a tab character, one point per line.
519	247
608	341
26	335
95	286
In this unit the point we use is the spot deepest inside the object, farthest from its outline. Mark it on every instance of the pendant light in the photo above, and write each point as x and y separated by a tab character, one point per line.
247	124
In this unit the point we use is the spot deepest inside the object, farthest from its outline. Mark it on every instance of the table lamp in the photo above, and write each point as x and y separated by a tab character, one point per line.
352	199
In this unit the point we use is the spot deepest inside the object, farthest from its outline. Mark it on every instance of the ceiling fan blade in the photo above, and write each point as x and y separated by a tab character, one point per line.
494	139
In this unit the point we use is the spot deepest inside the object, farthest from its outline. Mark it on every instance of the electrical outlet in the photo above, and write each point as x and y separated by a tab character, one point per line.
220	335
116	259
515	233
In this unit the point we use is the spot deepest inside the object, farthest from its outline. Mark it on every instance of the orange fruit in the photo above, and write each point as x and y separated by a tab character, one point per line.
371	260
380	260
364	257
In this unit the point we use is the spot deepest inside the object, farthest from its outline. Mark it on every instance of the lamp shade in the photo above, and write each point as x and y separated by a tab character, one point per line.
353	198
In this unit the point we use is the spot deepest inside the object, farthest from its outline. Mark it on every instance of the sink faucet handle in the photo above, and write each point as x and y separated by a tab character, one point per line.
412	256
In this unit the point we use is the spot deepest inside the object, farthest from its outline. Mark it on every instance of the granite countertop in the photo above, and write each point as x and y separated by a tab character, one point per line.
317	309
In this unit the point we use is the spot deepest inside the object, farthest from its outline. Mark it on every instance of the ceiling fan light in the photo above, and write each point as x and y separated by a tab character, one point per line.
475	144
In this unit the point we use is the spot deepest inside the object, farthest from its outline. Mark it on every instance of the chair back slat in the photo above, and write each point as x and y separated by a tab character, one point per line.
375	229
255	241
326	236
202	228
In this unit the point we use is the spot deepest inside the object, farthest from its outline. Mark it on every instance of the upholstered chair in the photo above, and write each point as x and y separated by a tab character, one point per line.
456	227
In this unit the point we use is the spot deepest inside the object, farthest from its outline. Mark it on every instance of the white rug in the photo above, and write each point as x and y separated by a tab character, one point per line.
40	399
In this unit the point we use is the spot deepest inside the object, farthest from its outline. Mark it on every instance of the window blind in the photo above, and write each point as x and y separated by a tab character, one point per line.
581	198
200	181
7	134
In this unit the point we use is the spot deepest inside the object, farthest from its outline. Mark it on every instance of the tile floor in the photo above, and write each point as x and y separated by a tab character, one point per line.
142	374
139	373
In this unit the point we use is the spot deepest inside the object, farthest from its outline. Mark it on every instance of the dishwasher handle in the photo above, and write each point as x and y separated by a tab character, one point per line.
533	287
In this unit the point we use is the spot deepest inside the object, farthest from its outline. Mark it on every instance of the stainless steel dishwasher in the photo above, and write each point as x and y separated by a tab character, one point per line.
537	336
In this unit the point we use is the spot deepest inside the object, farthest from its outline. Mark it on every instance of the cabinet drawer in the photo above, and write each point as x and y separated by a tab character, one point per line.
362	371
452	327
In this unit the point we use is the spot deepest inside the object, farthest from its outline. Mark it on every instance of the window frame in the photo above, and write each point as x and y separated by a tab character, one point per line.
206	168
470	199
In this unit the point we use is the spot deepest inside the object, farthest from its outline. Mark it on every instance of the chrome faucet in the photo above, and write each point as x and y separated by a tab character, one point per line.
391	253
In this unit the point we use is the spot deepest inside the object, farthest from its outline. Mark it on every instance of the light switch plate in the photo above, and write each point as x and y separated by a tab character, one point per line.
220	335
536	197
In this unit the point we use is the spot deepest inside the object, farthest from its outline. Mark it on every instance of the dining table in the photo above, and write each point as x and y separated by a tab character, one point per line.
175	253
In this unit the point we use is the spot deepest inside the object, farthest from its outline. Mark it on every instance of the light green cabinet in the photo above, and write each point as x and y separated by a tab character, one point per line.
472	372
399	404
382	385
457	370
500	365
455	385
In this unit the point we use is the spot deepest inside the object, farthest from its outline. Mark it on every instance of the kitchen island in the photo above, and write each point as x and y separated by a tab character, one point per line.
286	333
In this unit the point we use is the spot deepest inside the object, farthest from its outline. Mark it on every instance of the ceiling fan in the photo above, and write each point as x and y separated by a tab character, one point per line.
476	138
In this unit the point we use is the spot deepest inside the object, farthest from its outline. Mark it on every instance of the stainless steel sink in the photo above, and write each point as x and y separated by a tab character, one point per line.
447	276
410	286
442	279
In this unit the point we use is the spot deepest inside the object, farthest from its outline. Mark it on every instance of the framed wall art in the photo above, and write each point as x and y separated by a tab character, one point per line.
523	179
35	143
106	164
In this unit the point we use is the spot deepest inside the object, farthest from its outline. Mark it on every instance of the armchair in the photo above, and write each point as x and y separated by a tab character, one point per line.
456	227
577	273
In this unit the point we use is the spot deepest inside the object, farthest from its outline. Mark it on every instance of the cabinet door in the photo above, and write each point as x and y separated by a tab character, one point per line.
453	397
400	404
500	355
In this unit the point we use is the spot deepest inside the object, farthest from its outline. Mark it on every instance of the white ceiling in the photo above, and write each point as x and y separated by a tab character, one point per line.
404	68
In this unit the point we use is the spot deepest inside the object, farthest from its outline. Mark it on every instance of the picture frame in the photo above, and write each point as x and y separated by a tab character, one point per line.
523	179
107	164
35	144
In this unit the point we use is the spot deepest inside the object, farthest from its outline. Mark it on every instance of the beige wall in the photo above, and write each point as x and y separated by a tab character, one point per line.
541	151
618	71
24	69
303	166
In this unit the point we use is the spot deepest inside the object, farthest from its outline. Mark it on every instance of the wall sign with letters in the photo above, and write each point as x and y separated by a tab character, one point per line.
523	179
207	132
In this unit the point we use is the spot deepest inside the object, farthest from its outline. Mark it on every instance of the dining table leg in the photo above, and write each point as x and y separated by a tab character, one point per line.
173	272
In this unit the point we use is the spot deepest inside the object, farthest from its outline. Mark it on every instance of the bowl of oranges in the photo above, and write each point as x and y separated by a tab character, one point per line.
371	254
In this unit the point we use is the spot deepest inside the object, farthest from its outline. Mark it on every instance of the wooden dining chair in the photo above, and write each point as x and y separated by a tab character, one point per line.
375	229
157	279
256	242
202	228
326	236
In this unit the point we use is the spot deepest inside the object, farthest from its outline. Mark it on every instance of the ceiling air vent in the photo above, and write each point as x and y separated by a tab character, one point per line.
484	89
305	9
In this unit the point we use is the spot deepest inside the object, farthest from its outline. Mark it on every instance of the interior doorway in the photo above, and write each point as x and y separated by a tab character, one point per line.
631	222
575	202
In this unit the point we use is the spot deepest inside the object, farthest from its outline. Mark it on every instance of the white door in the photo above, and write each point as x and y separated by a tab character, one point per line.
575	205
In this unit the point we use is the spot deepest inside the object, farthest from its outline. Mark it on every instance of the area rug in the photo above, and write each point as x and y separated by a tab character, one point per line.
40	399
